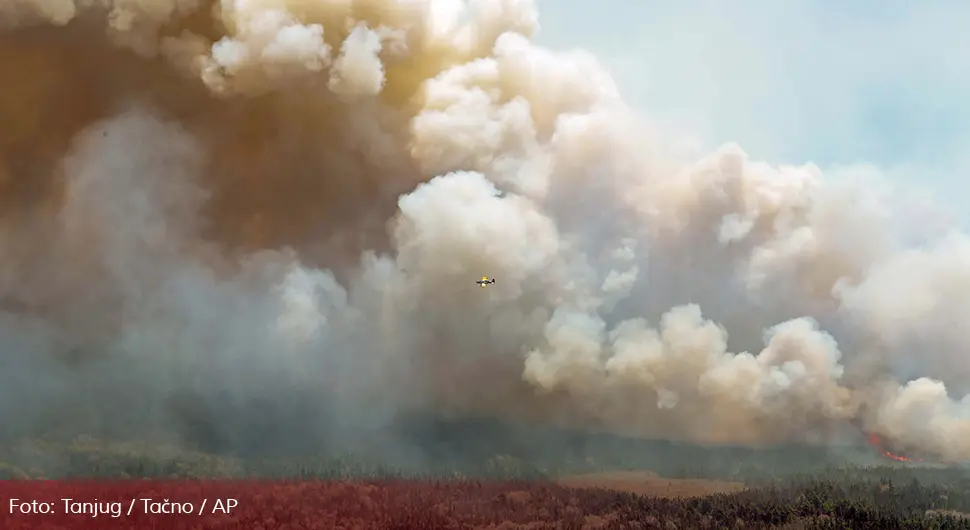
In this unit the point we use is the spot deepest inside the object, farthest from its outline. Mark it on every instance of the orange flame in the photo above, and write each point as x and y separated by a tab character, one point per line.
876	441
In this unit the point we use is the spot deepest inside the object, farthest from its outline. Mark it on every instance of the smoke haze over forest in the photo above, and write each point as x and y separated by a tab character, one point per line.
263	220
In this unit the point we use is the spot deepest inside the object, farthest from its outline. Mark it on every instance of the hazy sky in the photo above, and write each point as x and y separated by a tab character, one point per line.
884	82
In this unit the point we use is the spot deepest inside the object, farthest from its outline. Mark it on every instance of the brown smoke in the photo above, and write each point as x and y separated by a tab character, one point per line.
215	210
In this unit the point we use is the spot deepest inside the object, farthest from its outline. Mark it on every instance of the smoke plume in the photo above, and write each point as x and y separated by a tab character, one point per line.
224	214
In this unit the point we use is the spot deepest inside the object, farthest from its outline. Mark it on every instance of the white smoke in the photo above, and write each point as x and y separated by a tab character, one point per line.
292	200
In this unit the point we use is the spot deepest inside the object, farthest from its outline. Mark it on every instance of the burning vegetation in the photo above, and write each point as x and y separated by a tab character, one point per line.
886	451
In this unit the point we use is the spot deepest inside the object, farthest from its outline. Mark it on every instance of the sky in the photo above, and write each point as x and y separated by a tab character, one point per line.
833	82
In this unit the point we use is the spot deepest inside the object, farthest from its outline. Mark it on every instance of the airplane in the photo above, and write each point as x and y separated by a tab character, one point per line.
485	281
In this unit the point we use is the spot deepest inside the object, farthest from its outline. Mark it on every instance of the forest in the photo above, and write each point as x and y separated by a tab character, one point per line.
484	475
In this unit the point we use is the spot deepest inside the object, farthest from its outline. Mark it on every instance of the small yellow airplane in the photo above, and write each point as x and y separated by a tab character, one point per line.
485	281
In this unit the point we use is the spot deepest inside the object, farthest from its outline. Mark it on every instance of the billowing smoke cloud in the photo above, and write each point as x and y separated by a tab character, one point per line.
224	214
